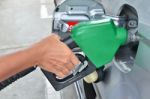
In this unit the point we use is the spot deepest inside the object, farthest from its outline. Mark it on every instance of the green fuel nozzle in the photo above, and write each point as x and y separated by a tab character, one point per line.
99	40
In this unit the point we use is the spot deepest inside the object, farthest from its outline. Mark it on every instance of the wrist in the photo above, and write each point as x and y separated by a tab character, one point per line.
40	49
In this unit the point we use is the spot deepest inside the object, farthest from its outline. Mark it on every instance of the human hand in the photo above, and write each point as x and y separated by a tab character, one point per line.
55	56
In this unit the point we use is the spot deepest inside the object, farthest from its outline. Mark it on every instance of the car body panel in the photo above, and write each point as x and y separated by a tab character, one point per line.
135	84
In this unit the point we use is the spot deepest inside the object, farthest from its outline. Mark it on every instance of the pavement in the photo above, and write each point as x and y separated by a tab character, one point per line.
22	23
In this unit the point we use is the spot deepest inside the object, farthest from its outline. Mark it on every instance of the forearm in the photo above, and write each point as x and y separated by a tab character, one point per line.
16	62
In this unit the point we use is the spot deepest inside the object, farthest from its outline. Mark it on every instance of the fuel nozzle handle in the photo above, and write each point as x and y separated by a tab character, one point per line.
59	84
69	42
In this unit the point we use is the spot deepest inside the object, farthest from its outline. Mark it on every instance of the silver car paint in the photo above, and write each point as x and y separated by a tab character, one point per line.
133	85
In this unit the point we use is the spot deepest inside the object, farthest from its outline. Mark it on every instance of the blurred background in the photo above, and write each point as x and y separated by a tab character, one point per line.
22	23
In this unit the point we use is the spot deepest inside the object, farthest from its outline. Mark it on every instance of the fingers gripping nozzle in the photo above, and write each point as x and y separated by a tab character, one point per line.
83	69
